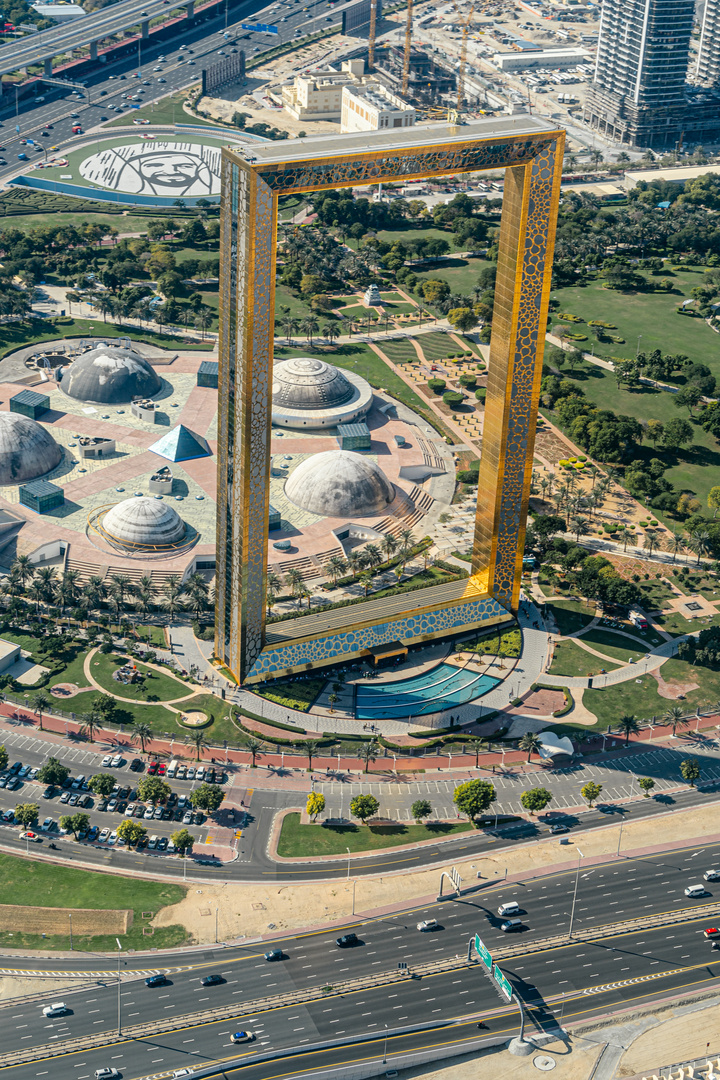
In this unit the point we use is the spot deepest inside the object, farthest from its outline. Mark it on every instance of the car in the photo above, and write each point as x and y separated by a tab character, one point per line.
152	767
182	802
171	849
167	814
212	980
103	93
16	767
14	783
93	832
136	765
200	772
242	1036
123	793
274	954
112	805
712	875
162	80
74	115
181	772
162	843
187	818
45	134
511	908
428	924
49	792
112	838
107	761
555	829
347	941
103	836
130	809
117	761
199	817
149	812
162	769
179	814
694	891
9	816
102	806
65	797
25	771
102	119
712	933
511	926
157	69
158	813
146	82
4	781
86	802
107	1074
140	809
31	836
122	77
191	63
182	1072
153	843
172	799
74	800
191	773
58	1008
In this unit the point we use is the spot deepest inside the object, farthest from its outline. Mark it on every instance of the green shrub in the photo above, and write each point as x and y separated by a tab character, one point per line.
436	385
453	398
481	394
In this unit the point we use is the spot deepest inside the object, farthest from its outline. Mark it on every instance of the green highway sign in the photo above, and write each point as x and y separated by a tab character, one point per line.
502	982
483	953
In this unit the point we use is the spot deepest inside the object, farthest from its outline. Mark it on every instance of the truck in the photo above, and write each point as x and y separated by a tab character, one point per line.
76	129
638	619
172	768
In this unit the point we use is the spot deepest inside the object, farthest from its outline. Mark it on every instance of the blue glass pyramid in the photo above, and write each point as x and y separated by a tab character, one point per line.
181	444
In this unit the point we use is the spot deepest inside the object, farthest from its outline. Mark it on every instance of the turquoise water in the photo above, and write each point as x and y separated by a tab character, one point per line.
444	687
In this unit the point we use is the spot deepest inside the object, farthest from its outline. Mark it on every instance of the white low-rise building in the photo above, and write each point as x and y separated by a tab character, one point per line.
318	95
373	107
540	58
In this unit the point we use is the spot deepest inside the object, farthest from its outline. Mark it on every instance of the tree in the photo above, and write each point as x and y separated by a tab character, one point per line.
474	797
420	809
315	804
689	770
475	746
154	790
254	746
677	433
183	841
591	792
40	703
689	397
311	747
142	734
364	807
368	752
102	784
675	716
207	797
90	722
646	784
462	318
629	725
27	814
131	831
713	500
76	823
536	799
200	743
53	772
531	742
3	758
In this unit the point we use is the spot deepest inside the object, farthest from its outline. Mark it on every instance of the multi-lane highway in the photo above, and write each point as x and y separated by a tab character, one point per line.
580	977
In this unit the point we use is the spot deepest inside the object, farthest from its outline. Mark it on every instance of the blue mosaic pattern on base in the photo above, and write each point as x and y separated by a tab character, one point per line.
346	645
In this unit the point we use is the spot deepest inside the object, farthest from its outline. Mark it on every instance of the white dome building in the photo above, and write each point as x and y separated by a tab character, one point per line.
27	449
310	393
340	484
110	375
142	523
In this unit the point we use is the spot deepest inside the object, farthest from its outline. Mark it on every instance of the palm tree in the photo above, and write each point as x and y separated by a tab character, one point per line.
475	746
629	725
675	542
356	560
23	569
373	555
47	580
142	734
273	587
368	752
336	567
531	742
289	325
675	716
170	599
254	746
120	586
651	541
578	526
203	320
294	578
406	541
331	331
699	543
366	580
40	702
95	590
389	545
310	326
624	534
311	748
90	722
200	743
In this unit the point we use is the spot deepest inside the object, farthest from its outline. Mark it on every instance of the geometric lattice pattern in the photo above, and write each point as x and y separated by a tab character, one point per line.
531	151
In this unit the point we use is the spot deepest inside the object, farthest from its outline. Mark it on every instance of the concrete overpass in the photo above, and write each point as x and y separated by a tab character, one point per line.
42	47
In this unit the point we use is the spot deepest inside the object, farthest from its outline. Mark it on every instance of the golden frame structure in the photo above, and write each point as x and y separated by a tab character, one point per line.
530	150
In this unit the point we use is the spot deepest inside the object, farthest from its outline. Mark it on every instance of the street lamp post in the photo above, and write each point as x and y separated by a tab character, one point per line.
577	878
348	873
118	984
385	1047
71	940
216	924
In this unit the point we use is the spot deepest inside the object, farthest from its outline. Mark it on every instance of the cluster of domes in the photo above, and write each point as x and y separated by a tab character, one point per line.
110	375
340	483
307	392
141	522
27	449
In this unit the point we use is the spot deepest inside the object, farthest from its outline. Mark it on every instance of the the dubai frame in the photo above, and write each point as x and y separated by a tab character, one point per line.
531	152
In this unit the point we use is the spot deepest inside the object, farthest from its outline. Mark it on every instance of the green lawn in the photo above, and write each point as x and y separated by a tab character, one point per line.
399	351
157	686
615	645
460	274
169	110
292	693
657	594
298	840
408	234
40	884
653	316
508	643
438	346
570	659
122	222
33	331
299	309
357	356
678	625
641	698
571	615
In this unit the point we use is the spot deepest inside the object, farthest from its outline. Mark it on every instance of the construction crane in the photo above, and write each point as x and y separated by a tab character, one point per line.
371	33
408	46
465	27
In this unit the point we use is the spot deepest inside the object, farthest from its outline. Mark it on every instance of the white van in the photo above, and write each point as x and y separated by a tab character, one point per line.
513	908
152	843
172	768
696	890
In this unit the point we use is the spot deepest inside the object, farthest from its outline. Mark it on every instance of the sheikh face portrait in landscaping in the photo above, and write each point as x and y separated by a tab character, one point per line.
174	170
